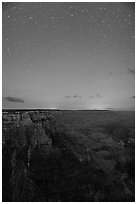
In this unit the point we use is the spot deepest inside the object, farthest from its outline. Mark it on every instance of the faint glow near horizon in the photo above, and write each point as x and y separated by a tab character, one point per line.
68	55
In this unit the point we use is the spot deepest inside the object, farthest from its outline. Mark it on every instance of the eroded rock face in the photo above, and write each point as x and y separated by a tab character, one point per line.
30	143
35	135
120	133
34	131
26	120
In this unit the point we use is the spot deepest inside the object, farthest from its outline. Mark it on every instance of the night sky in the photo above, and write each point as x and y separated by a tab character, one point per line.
68	55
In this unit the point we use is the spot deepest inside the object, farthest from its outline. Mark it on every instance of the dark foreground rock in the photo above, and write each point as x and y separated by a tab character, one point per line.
42	163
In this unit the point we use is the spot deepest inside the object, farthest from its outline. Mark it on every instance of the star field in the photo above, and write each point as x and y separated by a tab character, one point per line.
58	49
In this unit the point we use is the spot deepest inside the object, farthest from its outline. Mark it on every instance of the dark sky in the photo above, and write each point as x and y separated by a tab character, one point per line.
68	55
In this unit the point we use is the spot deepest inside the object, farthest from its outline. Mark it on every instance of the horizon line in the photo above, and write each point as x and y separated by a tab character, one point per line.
68	109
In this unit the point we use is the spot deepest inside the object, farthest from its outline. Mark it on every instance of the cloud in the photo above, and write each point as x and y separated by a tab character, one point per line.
98	95
76	96
13	99
131	71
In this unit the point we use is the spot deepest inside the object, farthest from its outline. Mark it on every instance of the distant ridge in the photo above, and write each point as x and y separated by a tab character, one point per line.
48	109
28	109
